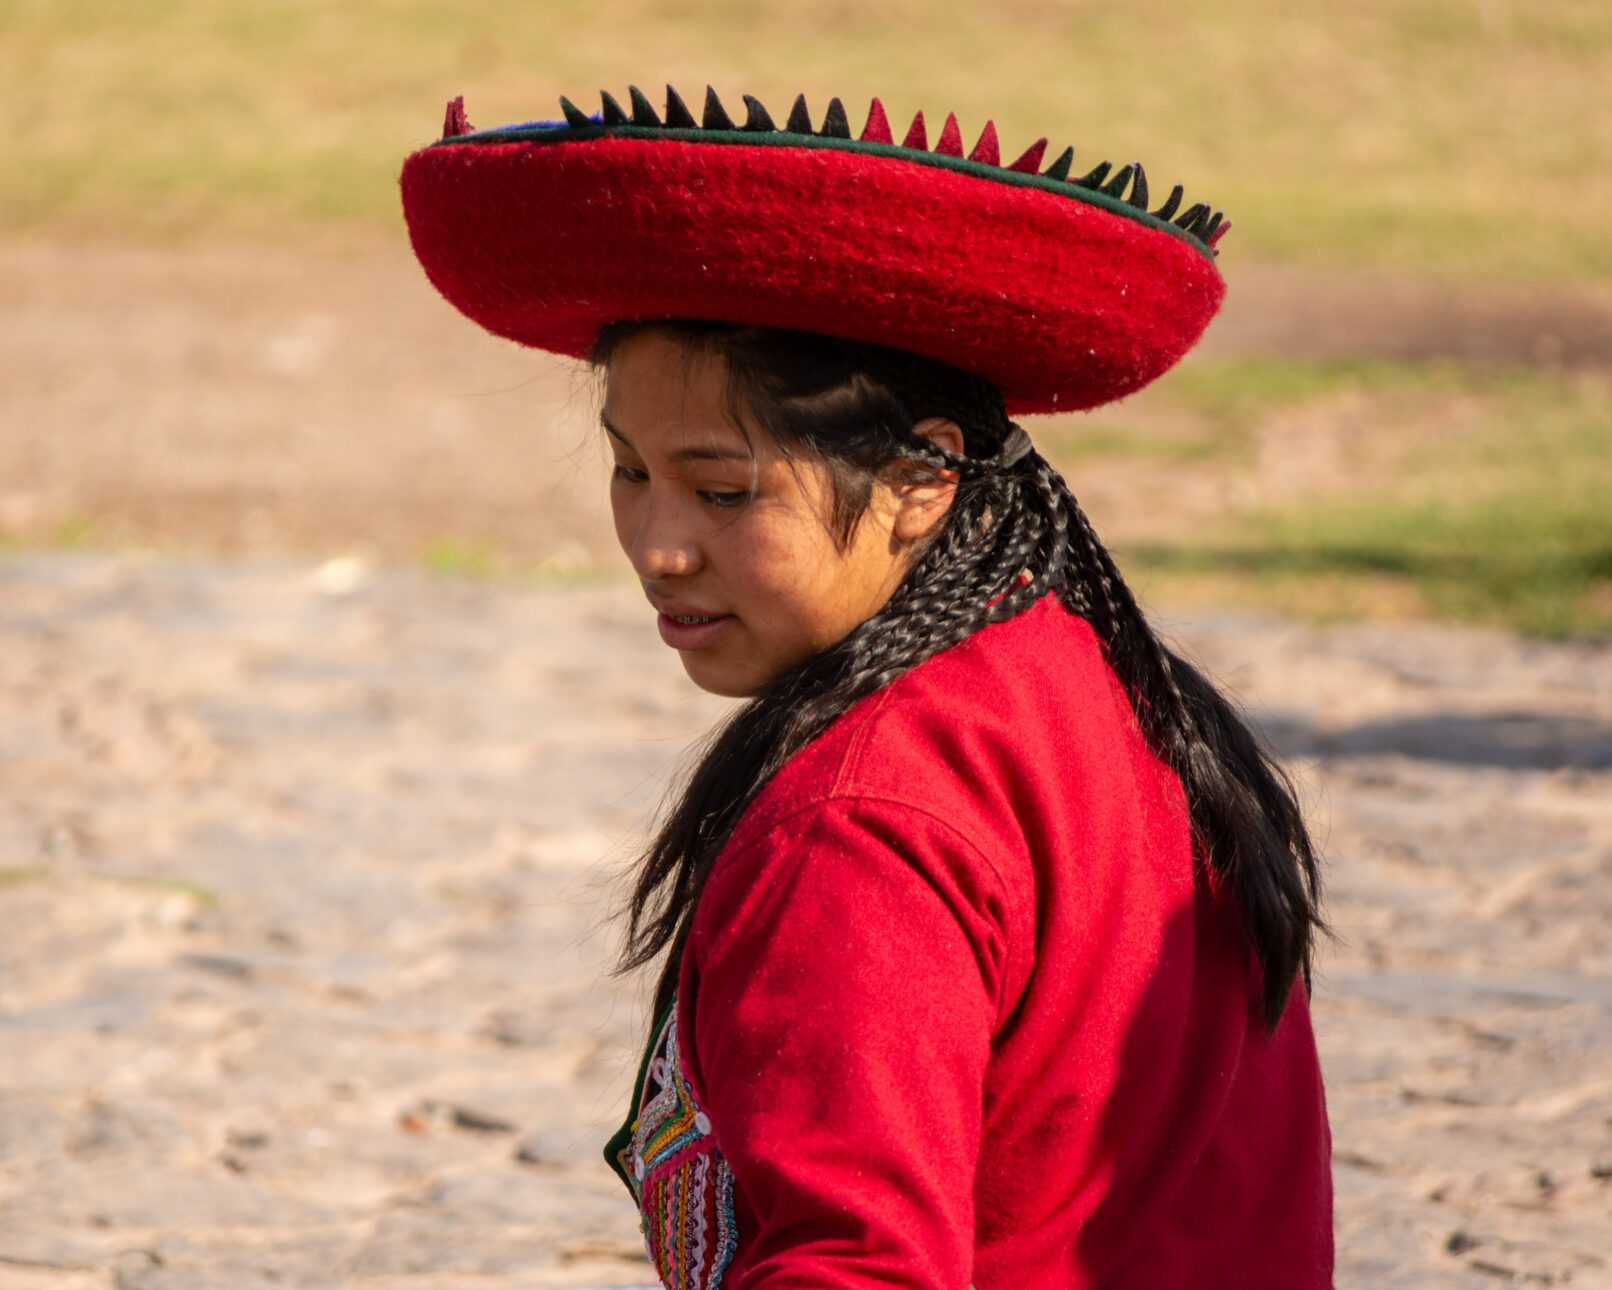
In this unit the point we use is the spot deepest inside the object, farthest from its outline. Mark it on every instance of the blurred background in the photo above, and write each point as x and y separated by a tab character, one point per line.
213	337
328	712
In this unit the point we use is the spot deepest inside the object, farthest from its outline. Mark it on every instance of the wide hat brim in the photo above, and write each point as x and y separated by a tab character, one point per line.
1066	296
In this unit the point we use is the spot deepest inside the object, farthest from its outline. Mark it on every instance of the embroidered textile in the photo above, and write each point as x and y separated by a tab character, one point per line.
671	1163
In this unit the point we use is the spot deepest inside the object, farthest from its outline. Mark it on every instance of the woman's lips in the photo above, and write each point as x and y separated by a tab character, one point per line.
691	631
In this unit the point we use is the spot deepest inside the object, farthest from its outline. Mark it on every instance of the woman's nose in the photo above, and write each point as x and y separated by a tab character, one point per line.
659	543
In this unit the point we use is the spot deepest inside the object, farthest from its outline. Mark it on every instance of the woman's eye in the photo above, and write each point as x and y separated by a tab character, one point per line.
724	499
628	475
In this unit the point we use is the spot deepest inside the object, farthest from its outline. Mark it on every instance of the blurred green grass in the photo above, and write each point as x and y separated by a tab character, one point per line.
1453	136
1372	489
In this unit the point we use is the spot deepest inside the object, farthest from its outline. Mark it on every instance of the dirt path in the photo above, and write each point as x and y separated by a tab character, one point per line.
256	401
303	881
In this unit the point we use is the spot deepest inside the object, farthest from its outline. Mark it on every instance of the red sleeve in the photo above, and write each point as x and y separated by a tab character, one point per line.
838	999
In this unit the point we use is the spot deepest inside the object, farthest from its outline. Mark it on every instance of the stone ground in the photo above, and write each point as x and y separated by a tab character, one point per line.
305	879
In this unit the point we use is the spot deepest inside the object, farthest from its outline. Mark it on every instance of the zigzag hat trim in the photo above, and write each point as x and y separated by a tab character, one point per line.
1123	191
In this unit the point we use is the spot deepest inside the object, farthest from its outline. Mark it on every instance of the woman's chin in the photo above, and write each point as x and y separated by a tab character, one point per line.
722	677
716	680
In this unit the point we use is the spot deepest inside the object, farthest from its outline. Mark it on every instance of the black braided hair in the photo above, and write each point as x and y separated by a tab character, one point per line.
1014	532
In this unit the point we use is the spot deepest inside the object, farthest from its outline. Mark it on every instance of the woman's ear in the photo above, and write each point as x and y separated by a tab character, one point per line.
944	434
924	496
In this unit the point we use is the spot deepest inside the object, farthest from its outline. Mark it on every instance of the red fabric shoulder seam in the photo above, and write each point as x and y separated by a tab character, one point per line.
851	758
754	838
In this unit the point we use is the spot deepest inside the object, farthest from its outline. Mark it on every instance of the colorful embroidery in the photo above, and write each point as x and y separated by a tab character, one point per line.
670	1161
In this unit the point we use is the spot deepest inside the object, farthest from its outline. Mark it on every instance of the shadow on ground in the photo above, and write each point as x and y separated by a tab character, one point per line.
1507	740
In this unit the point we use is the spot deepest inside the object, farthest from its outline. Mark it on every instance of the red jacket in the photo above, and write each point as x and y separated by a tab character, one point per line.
958	1007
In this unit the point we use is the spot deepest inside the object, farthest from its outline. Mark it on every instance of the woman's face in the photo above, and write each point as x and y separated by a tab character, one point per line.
730	539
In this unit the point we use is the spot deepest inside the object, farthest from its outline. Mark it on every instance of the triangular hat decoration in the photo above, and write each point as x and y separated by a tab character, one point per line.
1030	162
758	119
836	125
455	123
1059	169
987	151
643	112
950	143
677	114
716	117
877	130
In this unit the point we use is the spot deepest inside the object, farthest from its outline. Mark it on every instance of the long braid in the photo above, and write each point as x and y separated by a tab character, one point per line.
1242	804
1013	533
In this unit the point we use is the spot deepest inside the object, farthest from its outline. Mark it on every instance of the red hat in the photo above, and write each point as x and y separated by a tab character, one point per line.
1065	292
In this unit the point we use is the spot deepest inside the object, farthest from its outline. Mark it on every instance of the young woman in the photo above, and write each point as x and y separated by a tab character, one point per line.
981	919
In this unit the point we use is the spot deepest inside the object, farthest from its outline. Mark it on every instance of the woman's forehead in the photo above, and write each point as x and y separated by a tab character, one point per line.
663	395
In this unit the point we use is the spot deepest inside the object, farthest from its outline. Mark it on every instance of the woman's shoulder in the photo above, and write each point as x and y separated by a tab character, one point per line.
974	731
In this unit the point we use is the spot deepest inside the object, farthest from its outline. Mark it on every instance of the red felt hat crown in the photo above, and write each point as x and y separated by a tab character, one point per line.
1067	293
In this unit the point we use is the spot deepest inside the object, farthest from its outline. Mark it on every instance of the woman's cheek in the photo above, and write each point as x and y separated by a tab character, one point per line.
624	508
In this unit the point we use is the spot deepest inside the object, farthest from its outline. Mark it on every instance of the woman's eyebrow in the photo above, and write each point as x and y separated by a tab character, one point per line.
709	452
